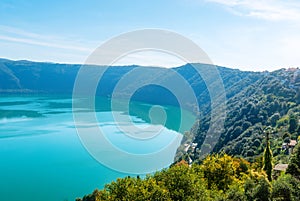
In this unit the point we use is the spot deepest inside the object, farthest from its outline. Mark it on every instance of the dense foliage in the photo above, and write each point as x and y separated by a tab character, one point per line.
294	165
272	101
218	177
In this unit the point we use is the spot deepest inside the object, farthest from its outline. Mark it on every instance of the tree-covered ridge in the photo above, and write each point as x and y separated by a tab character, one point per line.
271	101
219	177
42	77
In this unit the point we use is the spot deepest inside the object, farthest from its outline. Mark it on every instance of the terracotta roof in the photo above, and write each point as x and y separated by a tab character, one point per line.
281	167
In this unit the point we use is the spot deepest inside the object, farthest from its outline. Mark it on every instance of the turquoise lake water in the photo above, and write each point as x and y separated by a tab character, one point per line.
42	157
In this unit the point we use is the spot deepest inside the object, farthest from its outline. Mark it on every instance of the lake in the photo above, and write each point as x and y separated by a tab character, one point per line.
43	158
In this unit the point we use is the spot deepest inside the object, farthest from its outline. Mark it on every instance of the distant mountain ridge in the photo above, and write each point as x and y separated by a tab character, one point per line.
40	77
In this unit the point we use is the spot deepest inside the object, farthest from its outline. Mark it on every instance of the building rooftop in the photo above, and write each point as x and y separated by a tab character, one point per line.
281	167
292	143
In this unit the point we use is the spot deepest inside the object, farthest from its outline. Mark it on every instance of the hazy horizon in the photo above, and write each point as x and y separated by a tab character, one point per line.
143	65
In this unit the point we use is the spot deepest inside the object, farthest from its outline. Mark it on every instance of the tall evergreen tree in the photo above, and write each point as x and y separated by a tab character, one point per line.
268	156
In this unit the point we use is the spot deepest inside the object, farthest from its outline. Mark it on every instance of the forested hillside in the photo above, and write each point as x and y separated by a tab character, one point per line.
53	78
271	101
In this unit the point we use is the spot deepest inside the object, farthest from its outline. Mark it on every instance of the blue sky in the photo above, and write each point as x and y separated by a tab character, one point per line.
245	34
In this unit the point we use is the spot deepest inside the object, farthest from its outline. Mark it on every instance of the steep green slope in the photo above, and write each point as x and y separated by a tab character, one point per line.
271	101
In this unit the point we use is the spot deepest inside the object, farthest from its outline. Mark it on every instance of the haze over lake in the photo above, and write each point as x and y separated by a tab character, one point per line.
40	148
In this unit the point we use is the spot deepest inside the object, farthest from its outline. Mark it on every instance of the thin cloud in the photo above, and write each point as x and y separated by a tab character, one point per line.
12	34
263	9
33	42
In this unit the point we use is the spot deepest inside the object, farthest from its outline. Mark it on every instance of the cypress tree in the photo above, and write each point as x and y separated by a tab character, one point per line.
268	157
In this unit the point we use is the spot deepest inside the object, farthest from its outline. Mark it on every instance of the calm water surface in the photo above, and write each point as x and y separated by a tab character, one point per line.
42	157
